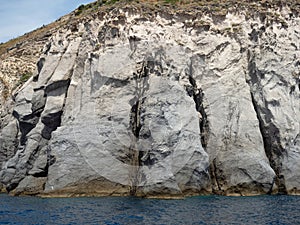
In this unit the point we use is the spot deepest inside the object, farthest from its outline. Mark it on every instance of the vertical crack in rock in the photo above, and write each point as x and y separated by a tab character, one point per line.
270	133
216	186
135	118
133	150
198	96
141	86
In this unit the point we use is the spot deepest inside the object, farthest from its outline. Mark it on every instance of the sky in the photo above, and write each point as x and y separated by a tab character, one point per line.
18	17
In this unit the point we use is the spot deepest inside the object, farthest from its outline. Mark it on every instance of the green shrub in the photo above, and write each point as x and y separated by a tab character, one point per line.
172	1
110	2
24	77
83	8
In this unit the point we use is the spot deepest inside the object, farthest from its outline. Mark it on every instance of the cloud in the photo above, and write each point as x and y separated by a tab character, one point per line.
21	16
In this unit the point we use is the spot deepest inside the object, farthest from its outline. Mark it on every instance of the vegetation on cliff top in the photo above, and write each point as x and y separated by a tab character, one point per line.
210	5
218	7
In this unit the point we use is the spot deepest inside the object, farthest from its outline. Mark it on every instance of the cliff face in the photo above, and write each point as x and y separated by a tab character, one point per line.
160	104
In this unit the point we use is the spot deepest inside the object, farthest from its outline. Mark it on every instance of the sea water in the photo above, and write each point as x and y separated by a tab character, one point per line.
129	210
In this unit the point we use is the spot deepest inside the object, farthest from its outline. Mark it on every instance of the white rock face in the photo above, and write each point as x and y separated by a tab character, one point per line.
275	82
154	107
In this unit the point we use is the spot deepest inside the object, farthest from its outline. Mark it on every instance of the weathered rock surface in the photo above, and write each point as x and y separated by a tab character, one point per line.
159	105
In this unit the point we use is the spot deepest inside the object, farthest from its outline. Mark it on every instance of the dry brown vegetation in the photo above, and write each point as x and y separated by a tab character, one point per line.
217	7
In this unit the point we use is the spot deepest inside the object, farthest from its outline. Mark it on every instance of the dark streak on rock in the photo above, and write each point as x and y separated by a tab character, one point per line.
141	86
270	133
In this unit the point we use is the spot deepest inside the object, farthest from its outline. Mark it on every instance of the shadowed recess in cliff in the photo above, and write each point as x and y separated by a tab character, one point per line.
141	86
270	133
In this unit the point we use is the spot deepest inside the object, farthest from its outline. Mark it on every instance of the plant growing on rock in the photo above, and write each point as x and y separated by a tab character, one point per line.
23	78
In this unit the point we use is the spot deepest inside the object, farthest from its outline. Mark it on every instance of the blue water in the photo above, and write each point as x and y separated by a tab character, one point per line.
129	210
